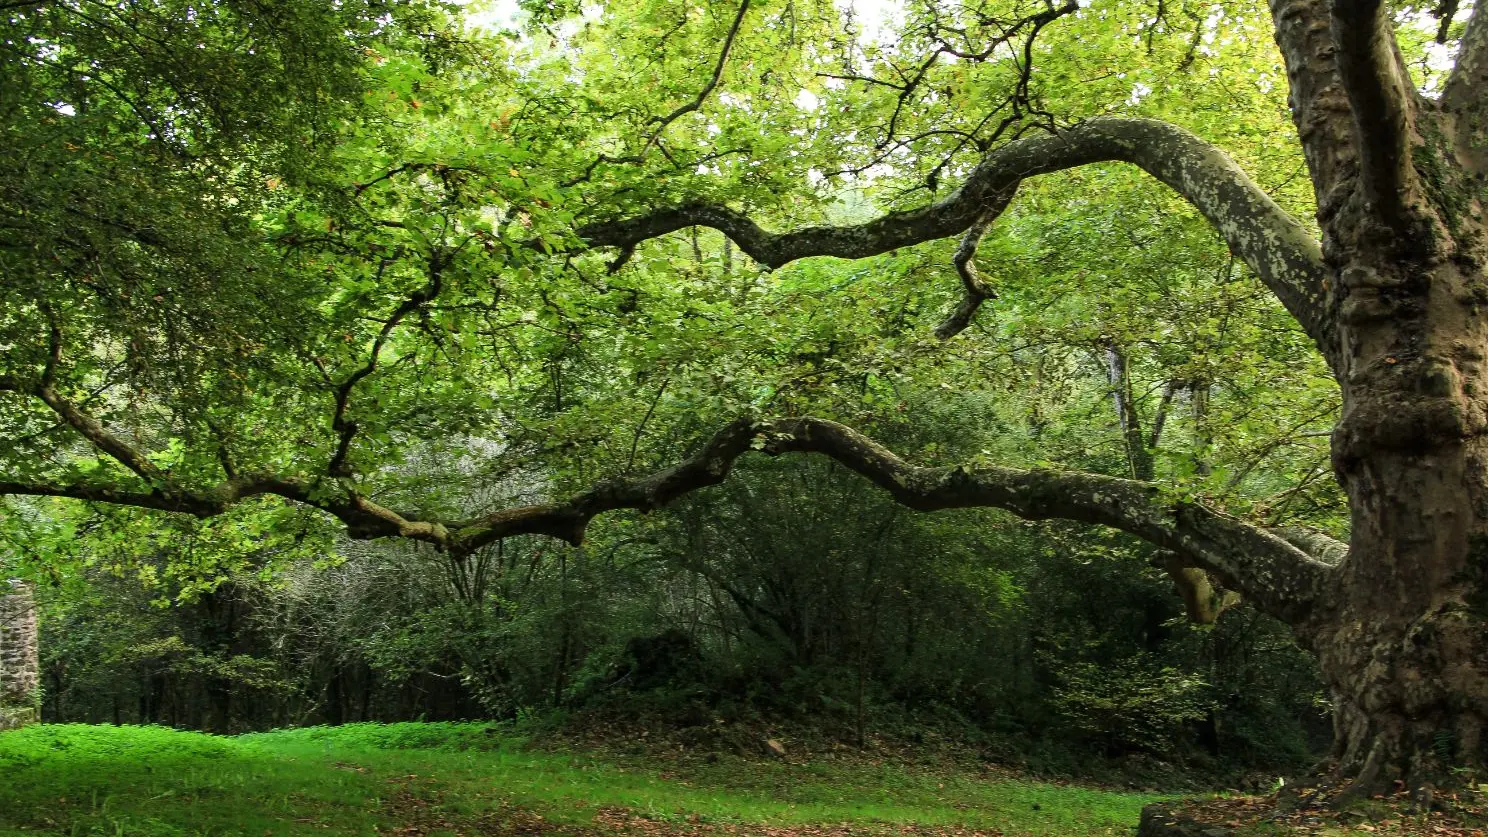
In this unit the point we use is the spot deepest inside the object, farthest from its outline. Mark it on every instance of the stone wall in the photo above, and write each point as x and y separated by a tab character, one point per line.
19	668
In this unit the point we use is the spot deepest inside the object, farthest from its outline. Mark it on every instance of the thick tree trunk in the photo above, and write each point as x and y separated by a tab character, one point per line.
1405	647
1403	637
1402	633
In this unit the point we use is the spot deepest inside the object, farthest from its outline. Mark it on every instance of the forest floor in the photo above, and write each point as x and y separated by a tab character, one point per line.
472	779
421	780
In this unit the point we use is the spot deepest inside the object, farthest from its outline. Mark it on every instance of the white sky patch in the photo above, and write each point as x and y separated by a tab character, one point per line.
806	100
45	50
875	21
63	108
491	15
734	100
1440	58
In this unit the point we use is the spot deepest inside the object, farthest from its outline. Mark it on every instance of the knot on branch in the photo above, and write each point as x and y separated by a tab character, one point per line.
570	529
772	442
361	530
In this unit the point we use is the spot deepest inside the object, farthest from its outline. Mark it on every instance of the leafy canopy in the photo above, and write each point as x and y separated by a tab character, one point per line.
336	243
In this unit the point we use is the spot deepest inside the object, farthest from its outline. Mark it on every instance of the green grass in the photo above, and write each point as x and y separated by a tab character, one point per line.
473	779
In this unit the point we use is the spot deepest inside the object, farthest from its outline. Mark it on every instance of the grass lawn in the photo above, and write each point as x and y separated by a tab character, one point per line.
431	779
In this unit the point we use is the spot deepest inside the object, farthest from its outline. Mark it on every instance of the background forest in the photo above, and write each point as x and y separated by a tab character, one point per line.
796	602
410	190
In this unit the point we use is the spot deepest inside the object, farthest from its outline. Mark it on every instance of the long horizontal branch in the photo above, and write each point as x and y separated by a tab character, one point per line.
363	518
1276	246
1277	575
1276	571
112	495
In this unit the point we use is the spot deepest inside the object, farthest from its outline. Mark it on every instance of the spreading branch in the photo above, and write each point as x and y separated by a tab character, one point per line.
1276	572
962	44
345	428
1276	246
1465	94
102	438
161	491
975	288
1381	99
653	140
702	96
90	428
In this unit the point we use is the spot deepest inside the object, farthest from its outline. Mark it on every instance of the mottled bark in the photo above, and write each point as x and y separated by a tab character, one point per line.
19	665
1405	644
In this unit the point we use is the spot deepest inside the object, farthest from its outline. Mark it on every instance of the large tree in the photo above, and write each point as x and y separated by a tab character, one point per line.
163	220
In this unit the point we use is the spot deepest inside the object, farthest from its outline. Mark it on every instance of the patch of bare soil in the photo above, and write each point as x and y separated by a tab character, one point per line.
416	809
1314	813
619	821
